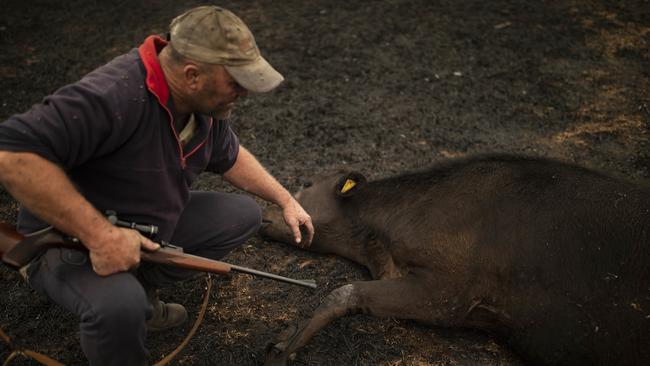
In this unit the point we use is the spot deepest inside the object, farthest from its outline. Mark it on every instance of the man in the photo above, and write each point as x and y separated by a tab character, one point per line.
131	137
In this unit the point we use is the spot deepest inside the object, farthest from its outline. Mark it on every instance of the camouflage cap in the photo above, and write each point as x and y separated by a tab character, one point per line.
215	35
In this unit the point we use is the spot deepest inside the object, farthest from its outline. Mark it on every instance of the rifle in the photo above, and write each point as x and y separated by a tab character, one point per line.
18	250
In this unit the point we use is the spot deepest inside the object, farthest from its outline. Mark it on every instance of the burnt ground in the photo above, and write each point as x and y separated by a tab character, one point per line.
379	86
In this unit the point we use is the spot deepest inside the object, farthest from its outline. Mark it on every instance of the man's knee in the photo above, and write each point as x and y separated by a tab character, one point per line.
119	312
252	214
214	223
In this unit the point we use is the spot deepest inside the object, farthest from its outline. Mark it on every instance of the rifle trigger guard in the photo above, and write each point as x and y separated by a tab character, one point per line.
164	244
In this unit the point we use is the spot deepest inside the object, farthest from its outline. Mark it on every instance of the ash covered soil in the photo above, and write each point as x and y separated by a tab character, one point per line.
379	86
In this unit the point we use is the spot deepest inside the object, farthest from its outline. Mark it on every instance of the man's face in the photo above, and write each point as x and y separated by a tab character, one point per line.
217	92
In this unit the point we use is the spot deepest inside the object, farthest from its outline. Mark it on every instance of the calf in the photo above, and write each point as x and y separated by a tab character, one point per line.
551	258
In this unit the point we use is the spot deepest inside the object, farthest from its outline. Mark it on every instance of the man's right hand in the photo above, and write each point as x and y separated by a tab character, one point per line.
47	192
119	251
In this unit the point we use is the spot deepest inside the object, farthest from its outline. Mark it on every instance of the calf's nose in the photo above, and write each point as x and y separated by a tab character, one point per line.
274	227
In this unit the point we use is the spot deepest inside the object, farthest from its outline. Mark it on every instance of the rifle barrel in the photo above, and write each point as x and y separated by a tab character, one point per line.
305	283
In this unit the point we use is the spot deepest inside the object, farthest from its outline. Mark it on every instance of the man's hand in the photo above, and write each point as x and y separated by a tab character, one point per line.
45	190
296	217
249	175
119	252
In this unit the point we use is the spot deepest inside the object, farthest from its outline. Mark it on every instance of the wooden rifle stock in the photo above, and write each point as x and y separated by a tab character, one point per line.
18	250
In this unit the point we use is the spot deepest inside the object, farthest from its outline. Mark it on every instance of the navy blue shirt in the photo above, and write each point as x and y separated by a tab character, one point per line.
113	133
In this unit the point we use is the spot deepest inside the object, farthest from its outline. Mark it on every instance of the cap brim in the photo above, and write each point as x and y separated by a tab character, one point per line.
257	77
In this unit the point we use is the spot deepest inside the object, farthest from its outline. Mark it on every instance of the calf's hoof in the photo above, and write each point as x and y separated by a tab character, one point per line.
275	355
276	352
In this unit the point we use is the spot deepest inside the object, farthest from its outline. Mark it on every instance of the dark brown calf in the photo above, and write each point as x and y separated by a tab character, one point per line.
551	258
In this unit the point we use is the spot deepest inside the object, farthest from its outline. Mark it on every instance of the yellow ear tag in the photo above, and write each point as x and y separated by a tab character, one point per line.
349	184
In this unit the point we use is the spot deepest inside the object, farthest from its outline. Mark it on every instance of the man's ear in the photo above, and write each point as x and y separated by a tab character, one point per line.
191	76
350	183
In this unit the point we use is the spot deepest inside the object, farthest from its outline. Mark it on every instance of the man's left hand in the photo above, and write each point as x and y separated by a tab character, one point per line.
296	217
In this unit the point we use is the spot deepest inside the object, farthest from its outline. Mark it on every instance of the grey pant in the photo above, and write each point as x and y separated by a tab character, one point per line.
113	309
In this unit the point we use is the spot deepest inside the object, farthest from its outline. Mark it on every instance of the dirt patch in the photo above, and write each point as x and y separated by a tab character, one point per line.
383	87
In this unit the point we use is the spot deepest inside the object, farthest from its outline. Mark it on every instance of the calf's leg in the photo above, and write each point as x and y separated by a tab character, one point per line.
402	298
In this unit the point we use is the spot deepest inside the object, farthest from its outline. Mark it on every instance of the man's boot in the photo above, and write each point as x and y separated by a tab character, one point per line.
165	316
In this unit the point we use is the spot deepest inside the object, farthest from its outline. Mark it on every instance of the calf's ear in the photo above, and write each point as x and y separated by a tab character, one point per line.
350	183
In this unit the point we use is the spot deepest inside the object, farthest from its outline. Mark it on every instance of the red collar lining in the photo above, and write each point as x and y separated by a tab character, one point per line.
156	82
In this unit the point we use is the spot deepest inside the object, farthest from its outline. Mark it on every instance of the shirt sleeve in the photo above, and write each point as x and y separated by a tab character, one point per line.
76	123
225	147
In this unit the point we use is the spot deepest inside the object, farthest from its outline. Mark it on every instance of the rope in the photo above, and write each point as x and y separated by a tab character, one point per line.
197	322
41	358
47	361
